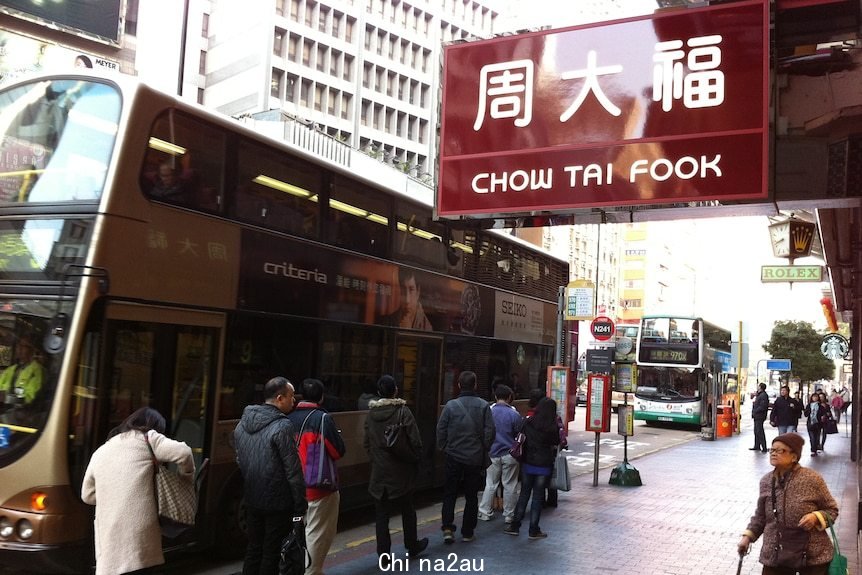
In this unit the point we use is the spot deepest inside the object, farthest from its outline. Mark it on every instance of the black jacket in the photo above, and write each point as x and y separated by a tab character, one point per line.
268	460
540	446
761	406
465	430
783	412
390	475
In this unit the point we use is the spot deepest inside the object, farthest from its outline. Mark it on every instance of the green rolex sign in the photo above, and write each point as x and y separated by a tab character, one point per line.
770	274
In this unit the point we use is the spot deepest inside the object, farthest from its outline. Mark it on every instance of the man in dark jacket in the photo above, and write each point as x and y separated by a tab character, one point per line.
465	433
783	414
273	487
758	413
311	421
393	478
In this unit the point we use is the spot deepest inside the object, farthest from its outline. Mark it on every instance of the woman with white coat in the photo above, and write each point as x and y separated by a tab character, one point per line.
119	482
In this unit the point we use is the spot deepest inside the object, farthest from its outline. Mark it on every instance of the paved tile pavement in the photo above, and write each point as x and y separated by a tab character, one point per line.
686	518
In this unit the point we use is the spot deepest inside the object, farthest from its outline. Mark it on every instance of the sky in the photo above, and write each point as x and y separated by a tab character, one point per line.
520	14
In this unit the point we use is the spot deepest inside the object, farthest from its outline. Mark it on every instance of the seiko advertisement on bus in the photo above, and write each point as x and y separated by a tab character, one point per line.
292	278
575	118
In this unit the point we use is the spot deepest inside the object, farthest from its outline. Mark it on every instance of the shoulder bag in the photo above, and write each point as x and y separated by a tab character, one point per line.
176	497
517	449
791	547
319	471
396	439
838	565
295	558
560	479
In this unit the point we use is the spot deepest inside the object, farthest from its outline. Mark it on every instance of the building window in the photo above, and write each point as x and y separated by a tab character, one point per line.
321	58
330	103
348	30
205	26
292	45
200	96
366	110
309	13
423	127
275	83
368	34
347	71
307	46
346	102
290	88
202	63
318	97
304	92
278	43
279	7
337	17
333	62
294	10
321	19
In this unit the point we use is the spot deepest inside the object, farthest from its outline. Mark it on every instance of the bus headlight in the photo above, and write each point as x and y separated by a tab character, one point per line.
6	528
25	529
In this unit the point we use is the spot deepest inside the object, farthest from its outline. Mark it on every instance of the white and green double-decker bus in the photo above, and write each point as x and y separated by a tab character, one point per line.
680	359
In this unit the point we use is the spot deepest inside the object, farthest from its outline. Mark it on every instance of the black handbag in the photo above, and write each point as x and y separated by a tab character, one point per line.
397	440
295	558
791	546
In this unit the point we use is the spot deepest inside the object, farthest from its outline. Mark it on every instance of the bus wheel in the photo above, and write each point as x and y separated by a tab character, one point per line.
231	537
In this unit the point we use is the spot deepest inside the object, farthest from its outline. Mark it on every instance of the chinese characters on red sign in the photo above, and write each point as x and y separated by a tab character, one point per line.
660	109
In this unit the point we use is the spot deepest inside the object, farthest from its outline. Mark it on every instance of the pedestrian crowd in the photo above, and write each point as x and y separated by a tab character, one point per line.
287	451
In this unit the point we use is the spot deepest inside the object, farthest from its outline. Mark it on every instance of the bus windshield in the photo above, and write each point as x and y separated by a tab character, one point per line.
669	384
56	139
27	374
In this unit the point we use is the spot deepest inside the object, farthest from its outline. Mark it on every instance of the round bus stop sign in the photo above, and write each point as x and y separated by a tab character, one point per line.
602	328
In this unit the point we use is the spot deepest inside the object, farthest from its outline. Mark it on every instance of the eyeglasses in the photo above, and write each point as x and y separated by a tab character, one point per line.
778	451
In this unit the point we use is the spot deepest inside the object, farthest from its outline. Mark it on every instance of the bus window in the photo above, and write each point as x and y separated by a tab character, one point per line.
358	218
56	148
275	192
418	238
184	163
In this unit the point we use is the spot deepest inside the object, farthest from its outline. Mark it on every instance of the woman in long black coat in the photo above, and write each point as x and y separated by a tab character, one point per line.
393	479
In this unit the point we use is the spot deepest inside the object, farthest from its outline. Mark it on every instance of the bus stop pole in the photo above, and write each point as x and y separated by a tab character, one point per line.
596	460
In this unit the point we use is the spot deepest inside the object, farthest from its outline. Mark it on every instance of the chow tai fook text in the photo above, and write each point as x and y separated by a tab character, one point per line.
576	118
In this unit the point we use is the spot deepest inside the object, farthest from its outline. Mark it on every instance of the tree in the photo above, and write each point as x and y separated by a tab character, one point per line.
800	343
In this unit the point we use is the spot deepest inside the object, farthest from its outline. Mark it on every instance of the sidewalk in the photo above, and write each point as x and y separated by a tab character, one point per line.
686	518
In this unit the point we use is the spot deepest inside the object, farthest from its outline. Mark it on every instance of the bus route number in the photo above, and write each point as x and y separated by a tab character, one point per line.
602	328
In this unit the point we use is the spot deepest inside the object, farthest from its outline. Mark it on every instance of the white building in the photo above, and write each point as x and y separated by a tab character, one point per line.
366	72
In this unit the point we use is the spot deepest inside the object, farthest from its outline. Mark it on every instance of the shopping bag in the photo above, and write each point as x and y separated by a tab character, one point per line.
295	558
830	426
560	479
838	565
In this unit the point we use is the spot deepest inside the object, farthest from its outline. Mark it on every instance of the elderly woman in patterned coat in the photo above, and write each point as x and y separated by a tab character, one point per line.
792	496
119	482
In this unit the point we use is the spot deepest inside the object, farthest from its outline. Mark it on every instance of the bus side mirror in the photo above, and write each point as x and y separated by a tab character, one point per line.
55	339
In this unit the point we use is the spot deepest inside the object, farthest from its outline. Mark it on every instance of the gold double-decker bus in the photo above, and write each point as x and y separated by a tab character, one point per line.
154	253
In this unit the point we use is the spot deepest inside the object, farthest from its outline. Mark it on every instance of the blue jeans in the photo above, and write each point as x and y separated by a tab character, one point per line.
530	485
456	474
266	531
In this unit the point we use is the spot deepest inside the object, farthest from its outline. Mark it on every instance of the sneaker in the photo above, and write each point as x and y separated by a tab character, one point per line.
485	517
448	536
418	547
467	538
538	535
511	530
508	520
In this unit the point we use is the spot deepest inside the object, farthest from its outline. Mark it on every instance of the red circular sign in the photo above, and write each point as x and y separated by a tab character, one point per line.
602	328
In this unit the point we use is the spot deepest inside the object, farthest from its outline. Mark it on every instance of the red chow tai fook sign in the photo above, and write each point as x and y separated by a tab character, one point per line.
658	109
